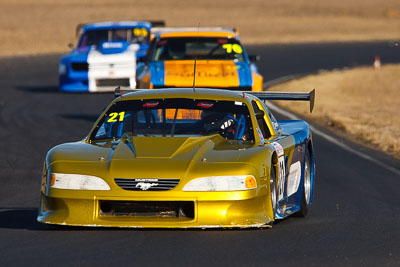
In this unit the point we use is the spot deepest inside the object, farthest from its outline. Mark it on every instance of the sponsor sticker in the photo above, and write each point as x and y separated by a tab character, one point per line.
294	178
112	45
146	180
205	105
278	148
151	104
260	135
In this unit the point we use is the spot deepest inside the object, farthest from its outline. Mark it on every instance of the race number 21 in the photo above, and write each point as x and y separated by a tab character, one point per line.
113	116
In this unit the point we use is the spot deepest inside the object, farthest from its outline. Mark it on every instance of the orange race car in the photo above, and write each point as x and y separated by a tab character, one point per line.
221	60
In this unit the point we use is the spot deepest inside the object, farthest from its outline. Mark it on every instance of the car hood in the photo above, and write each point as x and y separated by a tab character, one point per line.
156	157
209	73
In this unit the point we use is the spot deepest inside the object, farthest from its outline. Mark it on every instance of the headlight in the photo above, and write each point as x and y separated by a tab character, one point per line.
62	68
222	183
77	182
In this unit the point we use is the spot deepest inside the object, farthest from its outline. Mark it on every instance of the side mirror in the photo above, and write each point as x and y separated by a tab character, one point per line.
254	58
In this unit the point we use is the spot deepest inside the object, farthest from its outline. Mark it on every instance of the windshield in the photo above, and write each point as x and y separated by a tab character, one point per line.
131	35
182	48
175	117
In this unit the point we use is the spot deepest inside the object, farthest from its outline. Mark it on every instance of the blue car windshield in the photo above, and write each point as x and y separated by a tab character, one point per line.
183	48
130	35
175	117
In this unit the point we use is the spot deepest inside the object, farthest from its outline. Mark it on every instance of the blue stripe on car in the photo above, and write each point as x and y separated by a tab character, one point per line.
157	73
244	73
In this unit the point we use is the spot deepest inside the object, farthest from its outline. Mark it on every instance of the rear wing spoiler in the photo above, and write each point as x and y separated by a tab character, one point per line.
120	91
265	95
156	23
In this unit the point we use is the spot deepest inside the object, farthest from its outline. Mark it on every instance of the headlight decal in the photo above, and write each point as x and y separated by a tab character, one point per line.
222	183
77	182
62	68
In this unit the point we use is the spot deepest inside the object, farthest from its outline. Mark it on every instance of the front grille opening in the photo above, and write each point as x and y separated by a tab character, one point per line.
113	82
139	184
78	66
160	209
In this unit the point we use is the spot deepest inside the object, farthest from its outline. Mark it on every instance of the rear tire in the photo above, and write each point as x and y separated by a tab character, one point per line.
306	195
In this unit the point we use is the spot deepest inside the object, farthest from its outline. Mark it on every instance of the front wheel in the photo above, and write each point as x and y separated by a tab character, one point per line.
273	190
306	195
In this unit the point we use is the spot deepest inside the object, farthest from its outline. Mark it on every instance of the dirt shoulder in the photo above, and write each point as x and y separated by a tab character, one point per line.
47	26
361	103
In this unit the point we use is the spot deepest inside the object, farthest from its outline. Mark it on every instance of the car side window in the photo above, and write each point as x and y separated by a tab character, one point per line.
150	50
261	121
271	116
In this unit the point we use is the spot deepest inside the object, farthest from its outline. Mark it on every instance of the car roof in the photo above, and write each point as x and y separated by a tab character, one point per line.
195	32
115	25
198	93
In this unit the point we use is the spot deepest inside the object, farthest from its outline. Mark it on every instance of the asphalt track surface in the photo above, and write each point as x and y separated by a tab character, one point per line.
354	220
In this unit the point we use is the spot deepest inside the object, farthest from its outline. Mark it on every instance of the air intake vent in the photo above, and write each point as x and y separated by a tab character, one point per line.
113	82
80	66
146	184
159	209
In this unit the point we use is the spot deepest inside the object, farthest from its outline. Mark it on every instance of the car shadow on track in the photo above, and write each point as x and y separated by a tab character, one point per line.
20	218
25	218
38	89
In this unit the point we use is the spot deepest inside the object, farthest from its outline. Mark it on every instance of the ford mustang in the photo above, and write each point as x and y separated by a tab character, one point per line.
221	60
105	56
182	158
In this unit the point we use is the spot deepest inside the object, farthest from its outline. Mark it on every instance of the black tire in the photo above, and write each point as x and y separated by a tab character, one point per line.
272	184
306	194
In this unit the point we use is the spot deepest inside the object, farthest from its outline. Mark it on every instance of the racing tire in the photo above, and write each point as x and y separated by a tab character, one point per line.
272	185
306	194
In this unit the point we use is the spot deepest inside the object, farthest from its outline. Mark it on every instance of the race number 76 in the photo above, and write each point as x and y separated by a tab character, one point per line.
281	175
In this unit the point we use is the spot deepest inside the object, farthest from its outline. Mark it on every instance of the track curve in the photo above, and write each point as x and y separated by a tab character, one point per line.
353	221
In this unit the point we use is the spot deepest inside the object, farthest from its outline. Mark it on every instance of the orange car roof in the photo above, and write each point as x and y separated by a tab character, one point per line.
195	32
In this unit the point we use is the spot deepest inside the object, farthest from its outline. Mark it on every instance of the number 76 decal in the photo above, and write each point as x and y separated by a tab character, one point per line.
281	168
233	47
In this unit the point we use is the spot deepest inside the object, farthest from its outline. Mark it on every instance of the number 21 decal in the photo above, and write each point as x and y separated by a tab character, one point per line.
113	116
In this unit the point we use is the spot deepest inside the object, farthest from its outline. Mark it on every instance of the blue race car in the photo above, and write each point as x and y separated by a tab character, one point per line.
105	56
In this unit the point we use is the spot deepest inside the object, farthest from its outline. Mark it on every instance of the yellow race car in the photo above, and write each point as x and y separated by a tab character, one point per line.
182	158
221	60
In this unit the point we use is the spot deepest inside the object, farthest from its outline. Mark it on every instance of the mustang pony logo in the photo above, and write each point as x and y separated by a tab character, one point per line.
145	186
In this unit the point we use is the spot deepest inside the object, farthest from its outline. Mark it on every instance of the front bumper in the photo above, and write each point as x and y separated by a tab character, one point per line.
210	209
